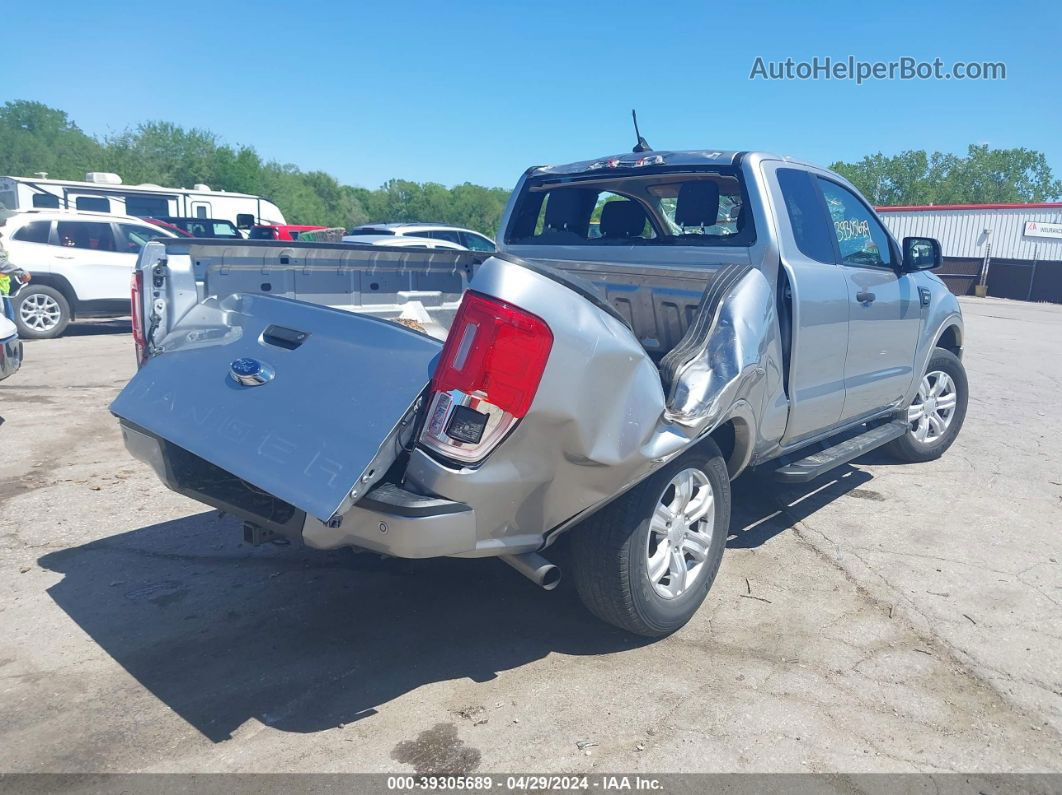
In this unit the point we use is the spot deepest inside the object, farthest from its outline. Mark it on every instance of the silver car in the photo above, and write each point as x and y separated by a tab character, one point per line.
651	325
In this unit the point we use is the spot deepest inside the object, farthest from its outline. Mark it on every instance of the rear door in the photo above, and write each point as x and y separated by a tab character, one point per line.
89	257
885	314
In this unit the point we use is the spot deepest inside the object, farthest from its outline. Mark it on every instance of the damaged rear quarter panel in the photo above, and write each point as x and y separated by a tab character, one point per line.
599	422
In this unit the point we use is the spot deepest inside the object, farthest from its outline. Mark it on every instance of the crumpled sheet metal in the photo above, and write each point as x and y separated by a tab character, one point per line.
730	365
599	423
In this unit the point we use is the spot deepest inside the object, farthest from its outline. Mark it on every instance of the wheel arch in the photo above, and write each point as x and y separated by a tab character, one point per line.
734	438
950	339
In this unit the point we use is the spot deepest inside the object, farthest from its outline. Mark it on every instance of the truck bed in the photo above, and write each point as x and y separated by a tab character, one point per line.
421	285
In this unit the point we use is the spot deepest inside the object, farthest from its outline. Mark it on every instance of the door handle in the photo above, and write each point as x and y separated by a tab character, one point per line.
865	298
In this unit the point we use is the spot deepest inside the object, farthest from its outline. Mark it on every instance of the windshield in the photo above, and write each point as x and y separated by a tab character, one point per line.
703	208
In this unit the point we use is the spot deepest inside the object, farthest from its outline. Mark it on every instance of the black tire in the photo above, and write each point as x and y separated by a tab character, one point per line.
610	551
908	448
33	292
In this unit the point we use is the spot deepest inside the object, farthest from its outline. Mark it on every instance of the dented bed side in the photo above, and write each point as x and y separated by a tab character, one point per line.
600	422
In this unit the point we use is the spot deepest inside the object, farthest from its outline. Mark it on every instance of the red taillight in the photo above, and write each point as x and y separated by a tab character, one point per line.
487	376
136	309
496	350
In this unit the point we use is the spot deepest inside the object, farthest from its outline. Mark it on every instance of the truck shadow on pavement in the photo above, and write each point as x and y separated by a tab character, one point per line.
304	640
763	508
299	639
94	327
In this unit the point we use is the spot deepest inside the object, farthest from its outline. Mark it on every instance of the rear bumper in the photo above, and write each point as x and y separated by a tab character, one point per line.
388	519
10	356
393	521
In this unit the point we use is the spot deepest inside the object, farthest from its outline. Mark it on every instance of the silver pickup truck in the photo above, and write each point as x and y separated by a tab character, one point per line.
651	325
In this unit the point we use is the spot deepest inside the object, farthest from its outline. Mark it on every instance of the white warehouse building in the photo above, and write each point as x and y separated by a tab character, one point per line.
1015	249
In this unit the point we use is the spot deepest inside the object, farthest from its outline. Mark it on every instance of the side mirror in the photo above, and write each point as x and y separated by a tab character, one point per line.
921	254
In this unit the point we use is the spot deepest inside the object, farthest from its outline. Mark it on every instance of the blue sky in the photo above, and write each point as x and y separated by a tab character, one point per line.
478	91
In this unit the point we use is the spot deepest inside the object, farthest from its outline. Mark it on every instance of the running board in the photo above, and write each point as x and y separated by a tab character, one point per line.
823	461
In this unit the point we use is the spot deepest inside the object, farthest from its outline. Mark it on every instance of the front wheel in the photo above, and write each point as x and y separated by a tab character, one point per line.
937	412
645	562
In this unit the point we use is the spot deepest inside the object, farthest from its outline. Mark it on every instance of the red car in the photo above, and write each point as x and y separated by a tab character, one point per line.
280	232
166	225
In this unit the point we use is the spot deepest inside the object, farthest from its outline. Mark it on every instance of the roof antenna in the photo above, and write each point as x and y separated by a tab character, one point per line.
642	145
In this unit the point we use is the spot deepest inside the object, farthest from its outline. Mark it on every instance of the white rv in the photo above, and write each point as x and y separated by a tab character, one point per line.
103	192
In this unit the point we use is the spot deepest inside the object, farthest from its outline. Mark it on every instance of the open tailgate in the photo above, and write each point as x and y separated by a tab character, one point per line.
324	395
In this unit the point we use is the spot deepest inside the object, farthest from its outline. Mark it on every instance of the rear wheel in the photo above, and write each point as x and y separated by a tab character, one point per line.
41	312
937	412
646	561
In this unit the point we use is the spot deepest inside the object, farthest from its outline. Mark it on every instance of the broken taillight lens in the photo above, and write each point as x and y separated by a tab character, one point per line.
487	377
136	309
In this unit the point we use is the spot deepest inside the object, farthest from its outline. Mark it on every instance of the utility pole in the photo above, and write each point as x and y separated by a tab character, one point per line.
981	290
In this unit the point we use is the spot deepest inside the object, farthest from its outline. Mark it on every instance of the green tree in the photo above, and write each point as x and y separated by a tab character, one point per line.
34	138
983	176
163	153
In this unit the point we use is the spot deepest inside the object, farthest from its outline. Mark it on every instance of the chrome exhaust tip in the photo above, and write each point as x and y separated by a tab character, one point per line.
536	568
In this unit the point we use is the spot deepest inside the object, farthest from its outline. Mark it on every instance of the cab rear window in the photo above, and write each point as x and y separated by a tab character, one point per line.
262	234
676	209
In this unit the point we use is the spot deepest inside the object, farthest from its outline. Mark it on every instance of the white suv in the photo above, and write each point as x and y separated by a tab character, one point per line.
453	234
80	263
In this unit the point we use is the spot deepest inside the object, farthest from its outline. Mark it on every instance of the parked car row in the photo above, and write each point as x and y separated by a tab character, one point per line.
457	237
81	261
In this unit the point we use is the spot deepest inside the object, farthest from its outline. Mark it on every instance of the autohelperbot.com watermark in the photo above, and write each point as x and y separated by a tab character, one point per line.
852	68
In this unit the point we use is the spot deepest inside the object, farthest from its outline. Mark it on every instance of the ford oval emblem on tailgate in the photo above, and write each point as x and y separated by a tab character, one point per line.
250	372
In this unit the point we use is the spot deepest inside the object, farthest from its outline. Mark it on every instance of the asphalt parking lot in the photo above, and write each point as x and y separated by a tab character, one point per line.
886	618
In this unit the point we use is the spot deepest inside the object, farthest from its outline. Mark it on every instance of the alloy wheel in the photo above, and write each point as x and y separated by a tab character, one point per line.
933	408
40	312
680	533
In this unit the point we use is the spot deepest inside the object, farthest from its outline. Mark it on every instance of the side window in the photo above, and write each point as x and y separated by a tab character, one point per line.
96	204
96	236
439	234
47	201
34	232
133	237
225	229
861	238
476	242
811	229
150	206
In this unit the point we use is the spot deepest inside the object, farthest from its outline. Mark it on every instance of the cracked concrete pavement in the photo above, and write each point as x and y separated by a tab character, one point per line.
884	618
